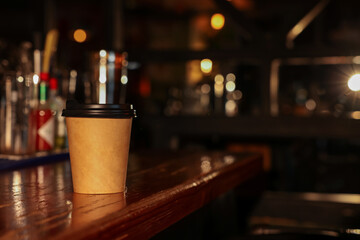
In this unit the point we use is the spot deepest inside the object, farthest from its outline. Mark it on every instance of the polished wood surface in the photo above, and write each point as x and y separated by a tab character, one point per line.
162	188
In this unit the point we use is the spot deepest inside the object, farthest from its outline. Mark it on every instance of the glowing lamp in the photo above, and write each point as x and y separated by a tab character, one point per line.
354	83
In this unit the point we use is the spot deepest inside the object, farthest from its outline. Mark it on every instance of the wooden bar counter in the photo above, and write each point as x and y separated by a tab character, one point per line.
38	202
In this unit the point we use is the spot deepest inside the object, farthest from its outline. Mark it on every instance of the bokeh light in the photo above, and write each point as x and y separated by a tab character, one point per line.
124	79
310	104
230	108
80	35
230	77
205	89
217	21
103	53
219	85
354	83
230	86
36	79
206	65
20	79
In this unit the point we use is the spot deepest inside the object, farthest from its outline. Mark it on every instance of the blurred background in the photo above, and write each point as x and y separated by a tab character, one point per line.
269	76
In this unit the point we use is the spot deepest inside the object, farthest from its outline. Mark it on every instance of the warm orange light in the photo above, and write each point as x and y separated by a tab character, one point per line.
217	21
206	65
80	35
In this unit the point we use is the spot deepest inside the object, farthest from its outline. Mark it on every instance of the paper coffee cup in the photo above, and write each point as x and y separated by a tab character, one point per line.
99	139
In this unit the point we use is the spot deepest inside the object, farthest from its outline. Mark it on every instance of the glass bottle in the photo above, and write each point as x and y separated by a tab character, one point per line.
45	121
57	104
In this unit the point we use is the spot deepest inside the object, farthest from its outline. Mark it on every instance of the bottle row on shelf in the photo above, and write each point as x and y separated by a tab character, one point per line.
30	114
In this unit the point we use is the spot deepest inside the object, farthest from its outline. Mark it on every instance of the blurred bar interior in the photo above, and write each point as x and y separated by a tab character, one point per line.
280	77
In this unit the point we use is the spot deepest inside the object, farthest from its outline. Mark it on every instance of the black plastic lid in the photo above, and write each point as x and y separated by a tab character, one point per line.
75	109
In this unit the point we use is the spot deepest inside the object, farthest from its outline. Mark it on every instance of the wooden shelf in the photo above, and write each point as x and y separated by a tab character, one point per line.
163	128
254	55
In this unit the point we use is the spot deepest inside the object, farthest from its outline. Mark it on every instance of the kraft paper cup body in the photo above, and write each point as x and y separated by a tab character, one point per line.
99	148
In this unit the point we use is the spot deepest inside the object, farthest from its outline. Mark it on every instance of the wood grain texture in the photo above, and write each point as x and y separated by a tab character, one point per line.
39	203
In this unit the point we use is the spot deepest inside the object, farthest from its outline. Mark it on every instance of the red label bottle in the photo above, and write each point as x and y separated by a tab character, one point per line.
45	122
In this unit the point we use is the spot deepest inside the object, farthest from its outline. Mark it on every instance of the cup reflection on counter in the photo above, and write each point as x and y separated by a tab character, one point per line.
89	208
